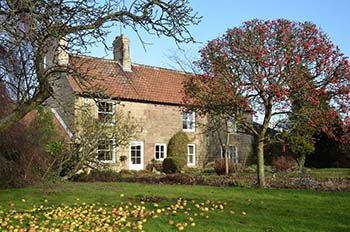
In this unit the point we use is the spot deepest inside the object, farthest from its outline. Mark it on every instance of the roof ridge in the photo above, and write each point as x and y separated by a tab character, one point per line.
94	57
134	64
162	68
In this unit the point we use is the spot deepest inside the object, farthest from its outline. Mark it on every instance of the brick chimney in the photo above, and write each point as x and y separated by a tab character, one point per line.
121	52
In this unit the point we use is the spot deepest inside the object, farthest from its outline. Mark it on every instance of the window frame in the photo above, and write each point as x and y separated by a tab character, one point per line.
112	121
189	122
164	152
234	156
235	159
231	126
112	150
188	155
137	166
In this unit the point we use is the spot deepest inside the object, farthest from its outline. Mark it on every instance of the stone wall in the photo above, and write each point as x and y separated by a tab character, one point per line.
241	139
63	100
243	142
158	124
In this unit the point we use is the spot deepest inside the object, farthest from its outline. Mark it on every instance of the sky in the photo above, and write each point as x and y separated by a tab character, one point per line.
331	16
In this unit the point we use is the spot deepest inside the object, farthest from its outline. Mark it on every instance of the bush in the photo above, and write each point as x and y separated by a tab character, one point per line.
123	158
155	165
284	163
192	170
220	167
27	149
98	176
180	178
177	149
169	166
127	172
252	168
210	170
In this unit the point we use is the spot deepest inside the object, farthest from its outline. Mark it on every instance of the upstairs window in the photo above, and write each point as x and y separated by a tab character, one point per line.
231	126
105	111
188	121
105	150
160	151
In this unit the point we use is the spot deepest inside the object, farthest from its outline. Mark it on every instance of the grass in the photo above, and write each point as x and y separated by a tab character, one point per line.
321	173
330	172
266	209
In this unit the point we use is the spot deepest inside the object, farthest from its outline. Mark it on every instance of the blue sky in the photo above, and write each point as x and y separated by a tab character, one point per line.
332	17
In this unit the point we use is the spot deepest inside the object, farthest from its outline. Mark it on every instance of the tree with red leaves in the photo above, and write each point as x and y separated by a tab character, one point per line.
265	68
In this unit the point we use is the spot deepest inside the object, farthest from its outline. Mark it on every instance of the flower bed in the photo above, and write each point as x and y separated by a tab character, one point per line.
245	180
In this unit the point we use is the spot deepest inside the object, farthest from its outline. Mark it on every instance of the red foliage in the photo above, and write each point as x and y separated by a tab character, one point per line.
266	66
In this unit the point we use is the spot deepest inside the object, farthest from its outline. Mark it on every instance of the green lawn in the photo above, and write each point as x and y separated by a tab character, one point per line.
318	173
330	172
87	203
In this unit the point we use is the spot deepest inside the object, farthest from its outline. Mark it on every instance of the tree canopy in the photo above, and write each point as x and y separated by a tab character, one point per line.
267	67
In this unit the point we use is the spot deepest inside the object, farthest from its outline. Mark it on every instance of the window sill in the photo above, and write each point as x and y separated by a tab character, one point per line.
189	130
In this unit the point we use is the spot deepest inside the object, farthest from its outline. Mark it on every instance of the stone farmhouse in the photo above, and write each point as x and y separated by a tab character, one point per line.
152	95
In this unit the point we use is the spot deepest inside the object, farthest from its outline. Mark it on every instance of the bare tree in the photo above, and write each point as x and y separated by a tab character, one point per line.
28	29
98	140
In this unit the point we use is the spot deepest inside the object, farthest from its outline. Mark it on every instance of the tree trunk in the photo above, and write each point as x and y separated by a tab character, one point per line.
226	152
260	145
301	162
260	167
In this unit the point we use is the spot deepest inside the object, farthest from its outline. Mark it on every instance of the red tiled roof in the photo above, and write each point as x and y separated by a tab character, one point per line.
144	83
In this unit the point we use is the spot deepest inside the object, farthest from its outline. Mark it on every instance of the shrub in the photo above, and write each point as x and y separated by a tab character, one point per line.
209	170
192	170
250	169
180	178
27	149
210	164
123	158
169	166
220	167
98	175
127	172
155	165
284	163
177	149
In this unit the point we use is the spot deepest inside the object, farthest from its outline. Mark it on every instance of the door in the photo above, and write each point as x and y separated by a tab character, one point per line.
136	155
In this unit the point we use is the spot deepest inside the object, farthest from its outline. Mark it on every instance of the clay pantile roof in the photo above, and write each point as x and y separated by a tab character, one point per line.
144	83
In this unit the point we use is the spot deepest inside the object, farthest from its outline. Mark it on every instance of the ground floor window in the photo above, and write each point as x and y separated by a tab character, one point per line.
232	153
191	154
105	150
159	151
